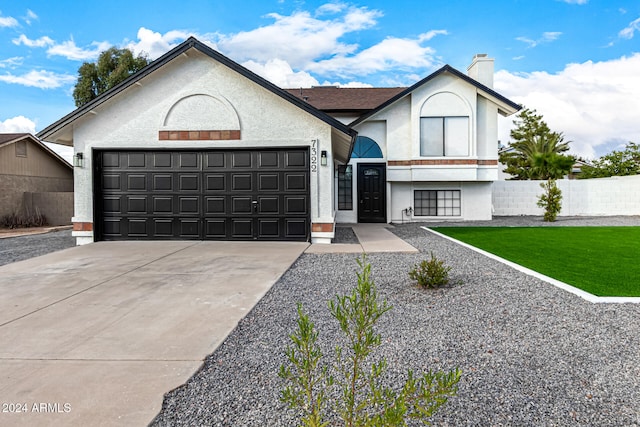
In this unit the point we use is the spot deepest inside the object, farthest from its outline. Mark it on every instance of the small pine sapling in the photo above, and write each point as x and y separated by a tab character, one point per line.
550	200
431	273
360	397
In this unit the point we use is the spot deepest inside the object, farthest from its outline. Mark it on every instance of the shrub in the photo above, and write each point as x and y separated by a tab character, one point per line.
360	398
550	200
22	221
431	273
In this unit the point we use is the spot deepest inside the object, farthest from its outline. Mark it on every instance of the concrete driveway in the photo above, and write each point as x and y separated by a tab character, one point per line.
95	335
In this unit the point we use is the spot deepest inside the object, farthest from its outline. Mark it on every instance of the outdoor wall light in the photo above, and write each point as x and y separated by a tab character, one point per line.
78	160
323	158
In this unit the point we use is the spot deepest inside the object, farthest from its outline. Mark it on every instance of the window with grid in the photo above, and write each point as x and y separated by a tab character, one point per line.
436	203
345	188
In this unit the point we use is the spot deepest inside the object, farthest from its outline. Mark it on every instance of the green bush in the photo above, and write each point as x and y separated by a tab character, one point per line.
550	200
431	273
354	384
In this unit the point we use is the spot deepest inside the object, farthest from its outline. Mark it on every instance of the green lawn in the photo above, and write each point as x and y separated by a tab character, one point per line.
604	261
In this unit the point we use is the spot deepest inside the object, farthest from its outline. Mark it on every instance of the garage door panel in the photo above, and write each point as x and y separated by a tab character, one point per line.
295	205
241	182
216	228
242	228
269	228
162	160
295	181
112	182
241	205
215	160
268	159
214	182
162	182
137	227
217	194
189	160
137	204
295	228
189	182
269	181
242	160
136	182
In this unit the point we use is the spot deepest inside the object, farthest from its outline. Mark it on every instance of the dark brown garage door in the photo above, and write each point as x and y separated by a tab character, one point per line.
210	195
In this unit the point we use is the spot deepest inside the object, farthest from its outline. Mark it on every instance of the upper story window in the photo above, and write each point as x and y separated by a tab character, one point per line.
444	126
444	136
21	149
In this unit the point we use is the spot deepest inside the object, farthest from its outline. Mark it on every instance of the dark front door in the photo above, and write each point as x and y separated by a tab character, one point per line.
207	195
372	184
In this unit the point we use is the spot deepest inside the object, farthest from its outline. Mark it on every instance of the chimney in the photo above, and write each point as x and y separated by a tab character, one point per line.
481	69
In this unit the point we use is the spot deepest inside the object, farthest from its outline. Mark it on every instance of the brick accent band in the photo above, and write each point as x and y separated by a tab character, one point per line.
198	135
455	162
82	226
322	227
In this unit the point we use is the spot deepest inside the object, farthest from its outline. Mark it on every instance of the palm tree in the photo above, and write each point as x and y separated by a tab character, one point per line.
536	151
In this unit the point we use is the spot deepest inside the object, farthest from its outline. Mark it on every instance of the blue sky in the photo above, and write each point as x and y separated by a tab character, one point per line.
575	61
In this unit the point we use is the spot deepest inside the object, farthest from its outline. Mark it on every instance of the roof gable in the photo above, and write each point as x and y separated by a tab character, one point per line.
12	138
192	43
505	105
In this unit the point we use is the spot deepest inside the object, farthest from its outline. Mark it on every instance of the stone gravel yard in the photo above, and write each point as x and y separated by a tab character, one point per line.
531	354
21	247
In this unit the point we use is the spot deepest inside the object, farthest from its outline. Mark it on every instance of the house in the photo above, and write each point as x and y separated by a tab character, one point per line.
33	177
195	146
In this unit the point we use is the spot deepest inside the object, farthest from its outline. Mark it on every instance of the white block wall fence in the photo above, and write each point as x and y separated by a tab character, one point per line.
618	195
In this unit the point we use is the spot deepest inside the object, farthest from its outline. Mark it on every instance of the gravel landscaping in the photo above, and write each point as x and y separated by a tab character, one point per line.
19	248
531	354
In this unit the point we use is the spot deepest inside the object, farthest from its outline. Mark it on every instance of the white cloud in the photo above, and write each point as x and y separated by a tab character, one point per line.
18	124
69	50
576	1
8	21
629	31
31	16
390	54
546	37
41	79
281	74
593	104
11	62
155	44
41	42
299	39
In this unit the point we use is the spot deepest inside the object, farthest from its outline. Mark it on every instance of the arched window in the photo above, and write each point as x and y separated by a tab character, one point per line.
444	126
366	148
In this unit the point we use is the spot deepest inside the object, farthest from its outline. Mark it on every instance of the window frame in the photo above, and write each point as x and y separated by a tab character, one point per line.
345	198
444	133
431	206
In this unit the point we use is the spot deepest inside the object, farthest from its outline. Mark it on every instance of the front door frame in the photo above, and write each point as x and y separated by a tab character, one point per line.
364	216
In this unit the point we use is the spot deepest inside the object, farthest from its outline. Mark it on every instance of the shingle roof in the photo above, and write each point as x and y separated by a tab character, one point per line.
335	99
6	137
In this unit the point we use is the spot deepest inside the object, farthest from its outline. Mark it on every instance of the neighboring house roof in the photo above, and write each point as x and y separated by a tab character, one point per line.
333	99
505	106
192	43
12	138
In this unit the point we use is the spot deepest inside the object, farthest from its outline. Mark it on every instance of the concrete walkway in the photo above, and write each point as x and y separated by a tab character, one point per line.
371	237
95	335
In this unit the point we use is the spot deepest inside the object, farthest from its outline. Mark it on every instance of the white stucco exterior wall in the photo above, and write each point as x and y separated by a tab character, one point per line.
133	118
